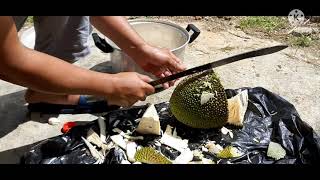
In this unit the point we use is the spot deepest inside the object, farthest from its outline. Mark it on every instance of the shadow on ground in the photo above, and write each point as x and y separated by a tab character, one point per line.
12	112
13	156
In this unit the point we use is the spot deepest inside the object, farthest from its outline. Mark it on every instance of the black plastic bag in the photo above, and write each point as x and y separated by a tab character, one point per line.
268	118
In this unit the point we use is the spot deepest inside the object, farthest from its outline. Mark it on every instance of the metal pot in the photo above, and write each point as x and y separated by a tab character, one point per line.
157	33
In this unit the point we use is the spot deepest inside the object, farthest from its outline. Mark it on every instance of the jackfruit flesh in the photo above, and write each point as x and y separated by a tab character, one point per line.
149	123
214	148
173	140
186	105
131	150
237	107
184	158
149	155
275	151
118	140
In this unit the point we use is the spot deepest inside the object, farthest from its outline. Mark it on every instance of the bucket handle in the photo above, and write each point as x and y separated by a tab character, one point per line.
102	43
195	34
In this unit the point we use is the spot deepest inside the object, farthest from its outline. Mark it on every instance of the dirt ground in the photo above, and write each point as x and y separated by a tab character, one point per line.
293	73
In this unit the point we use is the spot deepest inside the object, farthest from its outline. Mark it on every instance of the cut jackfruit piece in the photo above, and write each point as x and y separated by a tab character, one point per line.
131	150
276	151
149	155
102	127
94	152
94	138
197	154
186	106
125	135
237	107
229	152
149	123
174	141
118	140
214	148
184	158
225	131
125	162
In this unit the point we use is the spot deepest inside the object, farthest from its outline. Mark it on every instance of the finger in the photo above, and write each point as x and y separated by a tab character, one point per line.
165	85
180	65
156	70
143	98
144	78
148	89
160	71
170	83
179	62
174	66
174	57
161	75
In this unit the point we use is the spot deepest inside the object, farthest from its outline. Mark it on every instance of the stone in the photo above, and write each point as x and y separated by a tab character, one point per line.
306	31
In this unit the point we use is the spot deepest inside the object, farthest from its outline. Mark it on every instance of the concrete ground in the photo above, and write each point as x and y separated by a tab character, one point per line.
292	73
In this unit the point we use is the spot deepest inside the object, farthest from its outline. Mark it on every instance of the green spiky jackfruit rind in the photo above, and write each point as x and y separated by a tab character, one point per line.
149	155
186	107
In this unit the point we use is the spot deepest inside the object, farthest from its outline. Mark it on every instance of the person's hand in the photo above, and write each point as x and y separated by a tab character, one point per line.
160	62
128	88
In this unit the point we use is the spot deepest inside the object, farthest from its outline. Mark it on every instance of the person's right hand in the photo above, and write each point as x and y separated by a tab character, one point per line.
128	88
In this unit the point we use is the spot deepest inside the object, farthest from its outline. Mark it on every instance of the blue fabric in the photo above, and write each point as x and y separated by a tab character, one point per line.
82	101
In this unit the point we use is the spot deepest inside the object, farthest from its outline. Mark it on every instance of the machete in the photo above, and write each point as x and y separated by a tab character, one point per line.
210	66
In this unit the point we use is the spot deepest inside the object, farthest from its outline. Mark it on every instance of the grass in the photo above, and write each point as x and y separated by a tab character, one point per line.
264	23
271	26
302	41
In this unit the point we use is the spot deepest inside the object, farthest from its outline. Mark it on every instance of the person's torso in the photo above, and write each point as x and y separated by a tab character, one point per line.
64	37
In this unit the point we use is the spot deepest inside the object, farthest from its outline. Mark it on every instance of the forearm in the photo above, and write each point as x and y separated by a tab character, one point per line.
119	31
42	72
48	74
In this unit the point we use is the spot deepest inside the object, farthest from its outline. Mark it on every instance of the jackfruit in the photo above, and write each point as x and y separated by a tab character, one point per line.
149	123
200	101
197	154
94	152
149	155
173	140
118	140
94	138
275	151
213	148
102	127
229	152
237	107
184	158
131	150
225	131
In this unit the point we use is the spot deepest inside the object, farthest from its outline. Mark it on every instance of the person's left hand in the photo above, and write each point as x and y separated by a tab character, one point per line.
158	61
